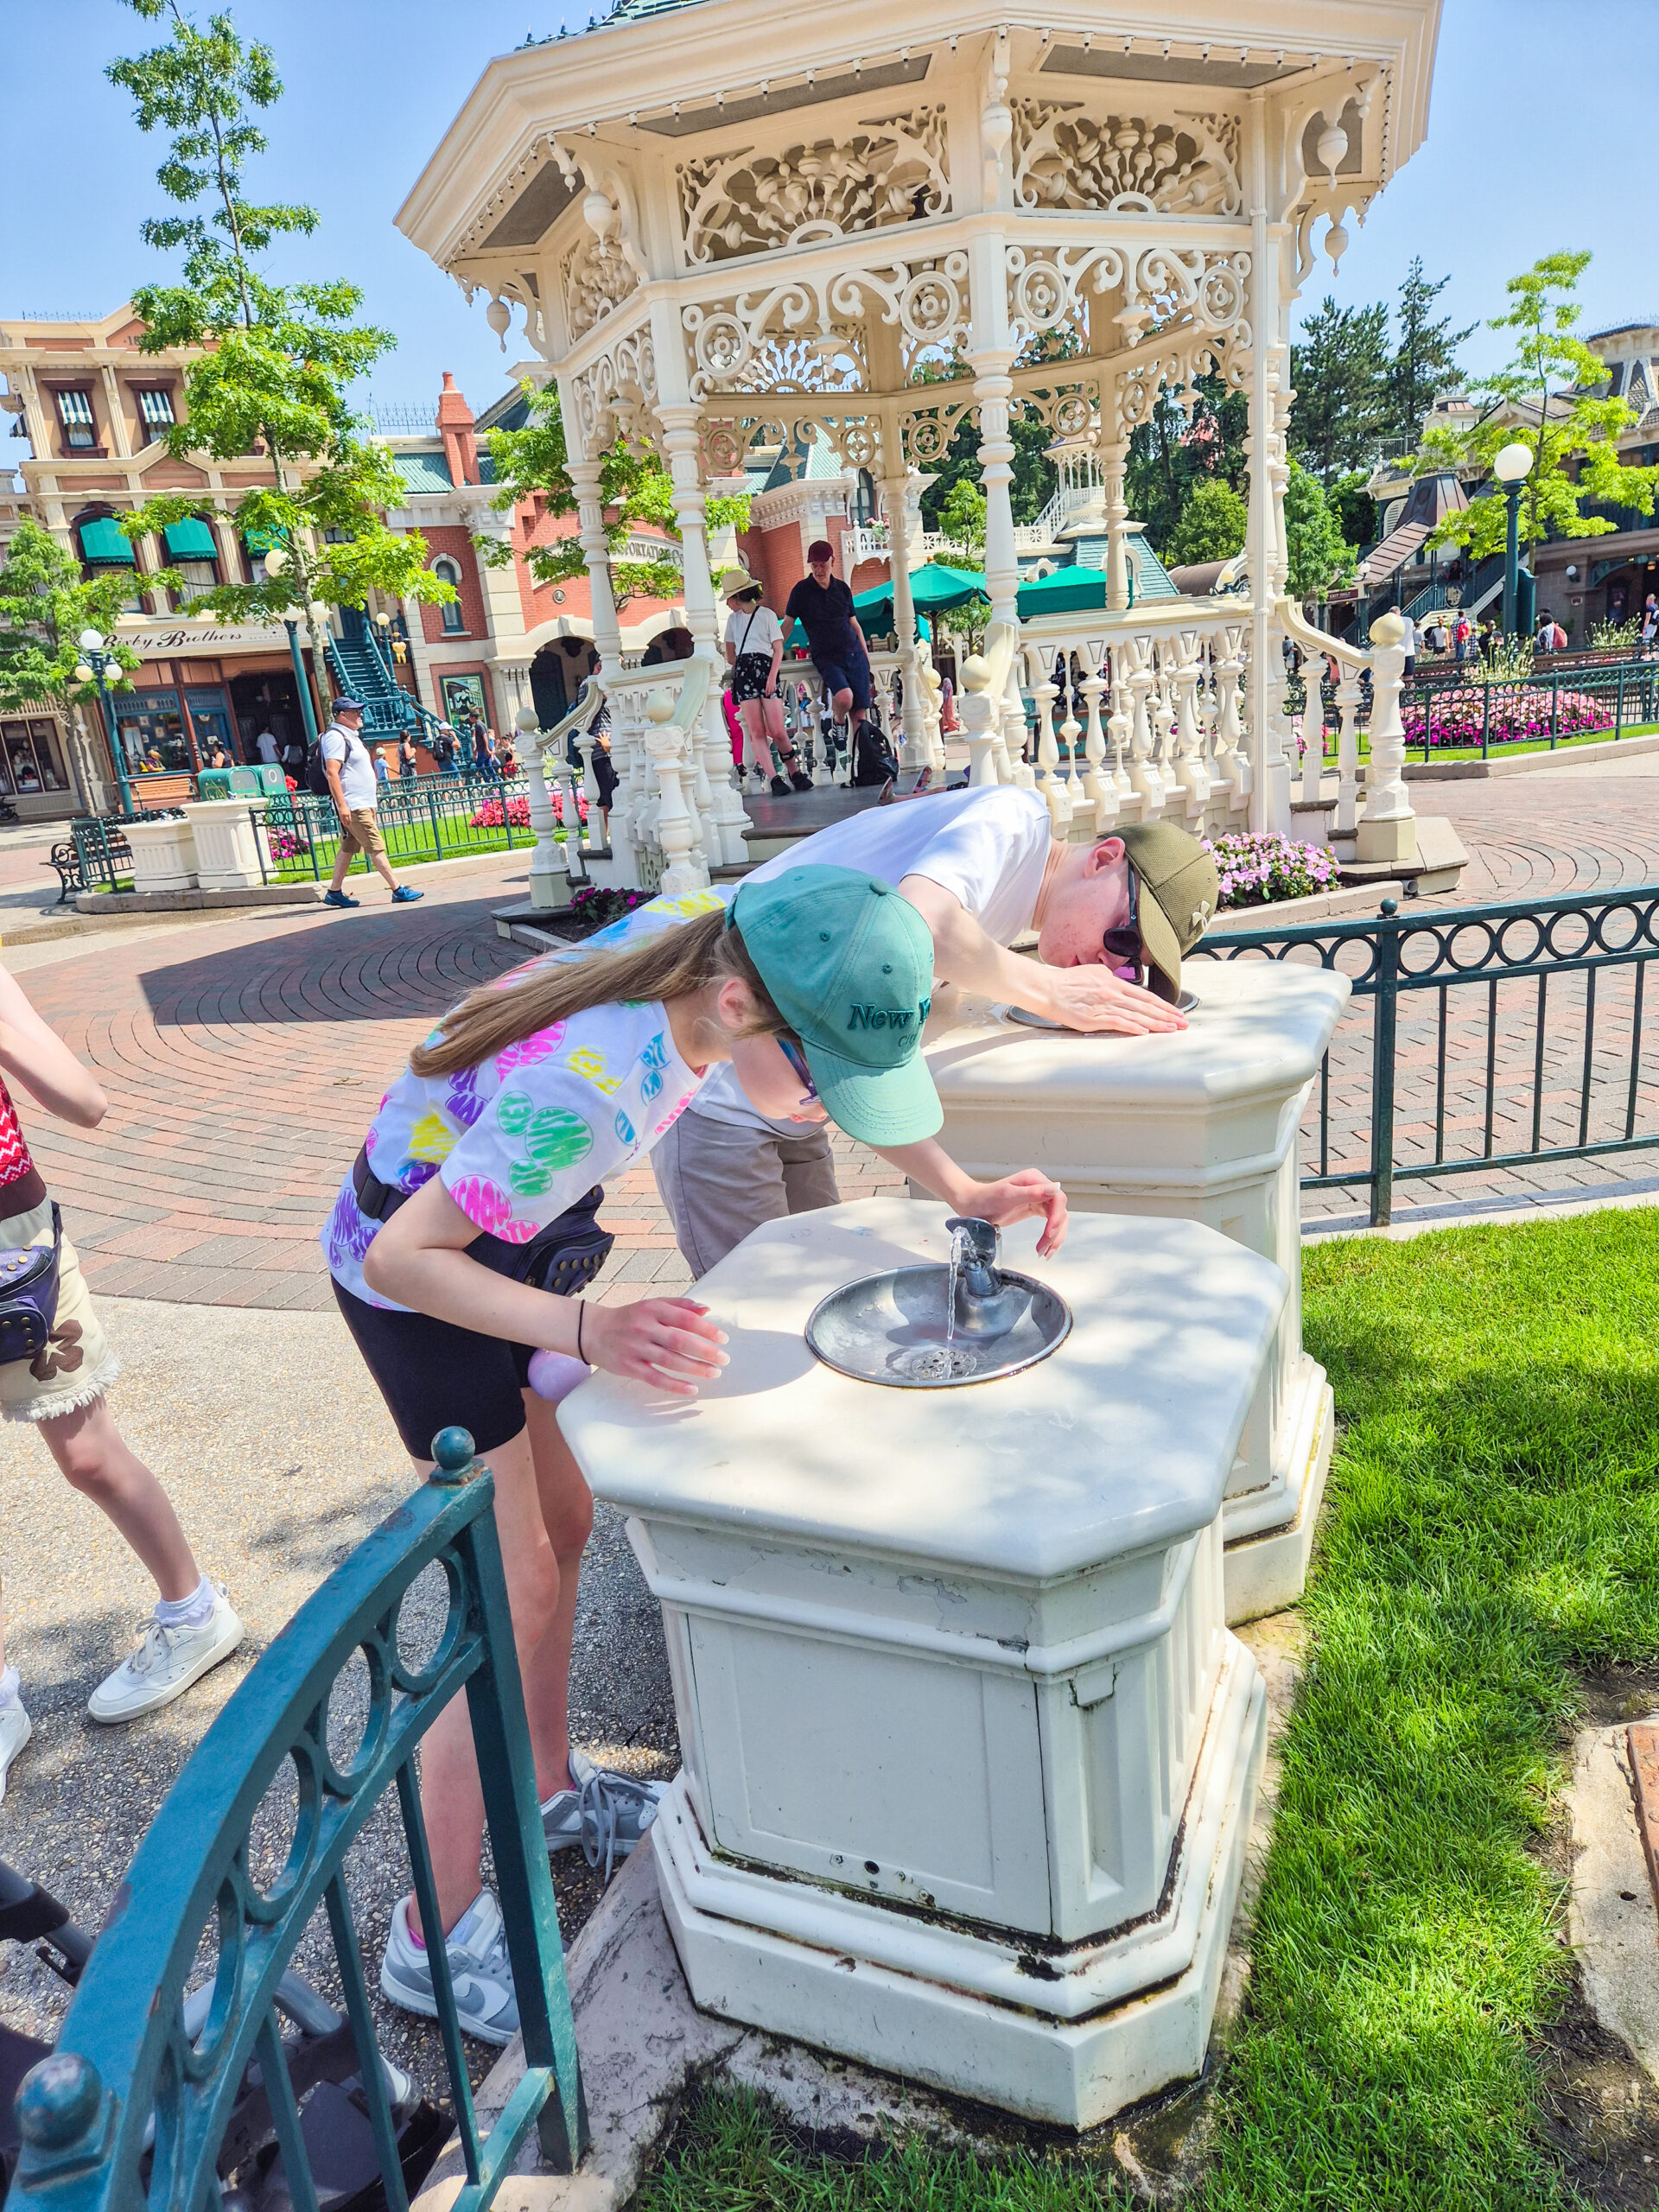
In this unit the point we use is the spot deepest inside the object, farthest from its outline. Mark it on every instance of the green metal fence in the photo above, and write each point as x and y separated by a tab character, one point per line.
1524	1020
426	818
1449	711
127	2070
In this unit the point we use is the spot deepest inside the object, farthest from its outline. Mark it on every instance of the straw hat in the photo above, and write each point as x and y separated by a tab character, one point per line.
736	582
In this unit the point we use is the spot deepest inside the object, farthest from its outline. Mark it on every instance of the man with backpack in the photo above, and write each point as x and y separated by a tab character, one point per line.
340	768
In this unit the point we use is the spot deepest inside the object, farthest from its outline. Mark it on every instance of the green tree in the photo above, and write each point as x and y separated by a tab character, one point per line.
962	516
534	463
1425	360
1185	443
1339	372
1544	396
274	360
1320	556
45	604
1212	526
1355	509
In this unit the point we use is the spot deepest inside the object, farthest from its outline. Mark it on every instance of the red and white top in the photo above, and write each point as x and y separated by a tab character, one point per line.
20	1187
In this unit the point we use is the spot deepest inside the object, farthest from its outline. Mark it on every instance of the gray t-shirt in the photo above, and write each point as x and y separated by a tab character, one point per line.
988	847
357	784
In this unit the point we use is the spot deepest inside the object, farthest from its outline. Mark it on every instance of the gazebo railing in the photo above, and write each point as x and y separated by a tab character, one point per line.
130	2080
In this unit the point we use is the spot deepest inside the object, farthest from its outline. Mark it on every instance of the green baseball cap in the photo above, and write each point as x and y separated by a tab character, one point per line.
1179	888
849	965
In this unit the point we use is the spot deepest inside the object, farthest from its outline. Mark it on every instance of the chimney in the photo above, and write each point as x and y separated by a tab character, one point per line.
455	426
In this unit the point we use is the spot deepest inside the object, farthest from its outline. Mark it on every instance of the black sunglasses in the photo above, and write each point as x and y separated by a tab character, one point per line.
1122	945
797	1059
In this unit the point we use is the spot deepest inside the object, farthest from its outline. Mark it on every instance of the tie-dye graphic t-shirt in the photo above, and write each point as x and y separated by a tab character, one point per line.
519	1138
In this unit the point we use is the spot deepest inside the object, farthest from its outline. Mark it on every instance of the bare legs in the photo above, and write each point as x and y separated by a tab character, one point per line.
98	1462
543	1515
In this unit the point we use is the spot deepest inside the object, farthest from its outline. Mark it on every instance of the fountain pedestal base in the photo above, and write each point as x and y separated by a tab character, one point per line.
970	1755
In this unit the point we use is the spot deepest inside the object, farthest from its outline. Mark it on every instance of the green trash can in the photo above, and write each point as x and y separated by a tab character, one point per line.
214	783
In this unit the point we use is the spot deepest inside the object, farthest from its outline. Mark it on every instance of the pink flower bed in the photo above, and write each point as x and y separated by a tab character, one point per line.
488	815
1258	867
1520	712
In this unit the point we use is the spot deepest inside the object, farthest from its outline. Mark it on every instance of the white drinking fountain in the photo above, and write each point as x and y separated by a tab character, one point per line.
969	1754
1200	1125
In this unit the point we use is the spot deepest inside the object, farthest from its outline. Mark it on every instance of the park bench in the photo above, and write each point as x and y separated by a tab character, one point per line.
67	860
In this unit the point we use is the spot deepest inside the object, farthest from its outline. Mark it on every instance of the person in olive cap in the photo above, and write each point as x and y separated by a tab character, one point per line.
1113	919
467	1222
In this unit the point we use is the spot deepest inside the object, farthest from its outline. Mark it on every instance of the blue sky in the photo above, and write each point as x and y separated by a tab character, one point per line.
1540	138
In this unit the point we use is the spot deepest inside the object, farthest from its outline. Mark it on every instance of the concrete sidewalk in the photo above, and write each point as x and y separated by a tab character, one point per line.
279	1456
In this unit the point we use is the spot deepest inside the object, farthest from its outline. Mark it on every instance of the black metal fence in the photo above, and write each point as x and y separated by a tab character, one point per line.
1478	1040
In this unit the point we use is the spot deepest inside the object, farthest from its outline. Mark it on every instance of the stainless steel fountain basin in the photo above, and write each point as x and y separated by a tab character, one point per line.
890	1328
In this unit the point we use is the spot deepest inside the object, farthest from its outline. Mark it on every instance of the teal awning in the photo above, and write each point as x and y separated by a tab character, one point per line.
102	541
1066	591
190	540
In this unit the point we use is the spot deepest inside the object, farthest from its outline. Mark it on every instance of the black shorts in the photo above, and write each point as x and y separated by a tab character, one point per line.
749	674
434	1375
847	671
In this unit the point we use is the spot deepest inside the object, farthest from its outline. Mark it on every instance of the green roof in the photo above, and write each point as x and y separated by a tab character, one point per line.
425	470
101	540
190	540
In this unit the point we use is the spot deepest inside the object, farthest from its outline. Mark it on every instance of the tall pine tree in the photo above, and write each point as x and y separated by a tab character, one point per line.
1339	372
1426	357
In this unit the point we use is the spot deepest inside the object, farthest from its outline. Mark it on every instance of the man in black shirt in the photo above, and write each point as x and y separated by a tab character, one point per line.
823	606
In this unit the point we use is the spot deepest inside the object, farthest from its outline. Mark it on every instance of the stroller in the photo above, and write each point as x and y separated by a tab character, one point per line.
321	2060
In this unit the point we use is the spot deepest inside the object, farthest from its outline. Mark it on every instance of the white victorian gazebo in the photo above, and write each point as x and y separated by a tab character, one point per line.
724	226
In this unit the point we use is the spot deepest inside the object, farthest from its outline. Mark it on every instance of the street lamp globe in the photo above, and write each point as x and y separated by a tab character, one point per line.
91	641
1513	463
276	561
82	674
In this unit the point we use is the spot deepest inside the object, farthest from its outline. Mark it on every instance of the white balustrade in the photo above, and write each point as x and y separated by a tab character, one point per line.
1384	828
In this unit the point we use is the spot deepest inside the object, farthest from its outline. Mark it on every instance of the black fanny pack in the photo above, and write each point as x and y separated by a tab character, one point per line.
564	1258
29	1294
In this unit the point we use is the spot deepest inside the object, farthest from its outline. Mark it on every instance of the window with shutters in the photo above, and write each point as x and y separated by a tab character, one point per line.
79	427
156	415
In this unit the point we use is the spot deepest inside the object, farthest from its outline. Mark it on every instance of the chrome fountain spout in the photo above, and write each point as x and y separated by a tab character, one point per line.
981	1304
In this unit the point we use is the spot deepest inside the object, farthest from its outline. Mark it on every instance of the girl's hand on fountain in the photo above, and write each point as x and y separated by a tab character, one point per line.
670	1342
1017	1198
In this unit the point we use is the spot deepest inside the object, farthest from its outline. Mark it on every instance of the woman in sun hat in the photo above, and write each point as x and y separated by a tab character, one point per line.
754	651
474	1198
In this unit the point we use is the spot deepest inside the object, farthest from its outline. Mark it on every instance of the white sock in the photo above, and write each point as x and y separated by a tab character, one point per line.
188	1612
11	1688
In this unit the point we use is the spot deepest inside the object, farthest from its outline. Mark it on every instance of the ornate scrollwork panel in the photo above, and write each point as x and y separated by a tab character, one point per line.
616	395
1058	288
727	340
884	172
1125	164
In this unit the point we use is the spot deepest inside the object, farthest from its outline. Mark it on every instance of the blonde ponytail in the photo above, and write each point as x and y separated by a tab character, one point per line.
671	964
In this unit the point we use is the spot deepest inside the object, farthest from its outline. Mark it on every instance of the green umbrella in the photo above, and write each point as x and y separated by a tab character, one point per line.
1066	591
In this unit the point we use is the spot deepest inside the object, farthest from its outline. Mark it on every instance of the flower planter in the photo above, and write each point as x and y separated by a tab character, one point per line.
231	844
164	853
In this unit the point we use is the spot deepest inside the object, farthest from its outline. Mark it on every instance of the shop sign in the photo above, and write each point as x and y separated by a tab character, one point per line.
157	639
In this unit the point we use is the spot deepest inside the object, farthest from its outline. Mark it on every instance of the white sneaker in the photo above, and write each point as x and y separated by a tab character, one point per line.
487	2004
165	1663
15	1729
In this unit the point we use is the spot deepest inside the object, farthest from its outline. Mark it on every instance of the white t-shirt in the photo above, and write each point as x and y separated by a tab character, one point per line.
267	744
519	1138
357	784
1408	636
988	847
756	633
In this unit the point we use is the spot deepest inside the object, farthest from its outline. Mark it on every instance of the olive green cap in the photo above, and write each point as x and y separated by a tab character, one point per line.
1179	886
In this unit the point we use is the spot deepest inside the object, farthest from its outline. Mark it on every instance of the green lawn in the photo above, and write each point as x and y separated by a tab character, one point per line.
1492	1529
1415	753
409	848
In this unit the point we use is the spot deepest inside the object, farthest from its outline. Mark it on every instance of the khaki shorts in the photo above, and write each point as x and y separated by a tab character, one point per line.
721	1180
78	1364
360	832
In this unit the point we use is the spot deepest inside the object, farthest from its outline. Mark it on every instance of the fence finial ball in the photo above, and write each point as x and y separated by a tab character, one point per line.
59	2100
1389	629
660	706
976	673
452	1450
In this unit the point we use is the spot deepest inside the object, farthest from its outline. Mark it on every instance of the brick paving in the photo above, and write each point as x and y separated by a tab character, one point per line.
244	1059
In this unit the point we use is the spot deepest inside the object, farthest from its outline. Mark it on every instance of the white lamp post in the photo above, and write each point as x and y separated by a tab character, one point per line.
94	665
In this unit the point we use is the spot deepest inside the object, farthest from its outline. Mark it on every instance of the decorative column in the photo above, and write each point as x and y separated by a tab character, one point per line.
1270	789
709	750
1387	829
550	870
978	716
682	868
1113	472
896	505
